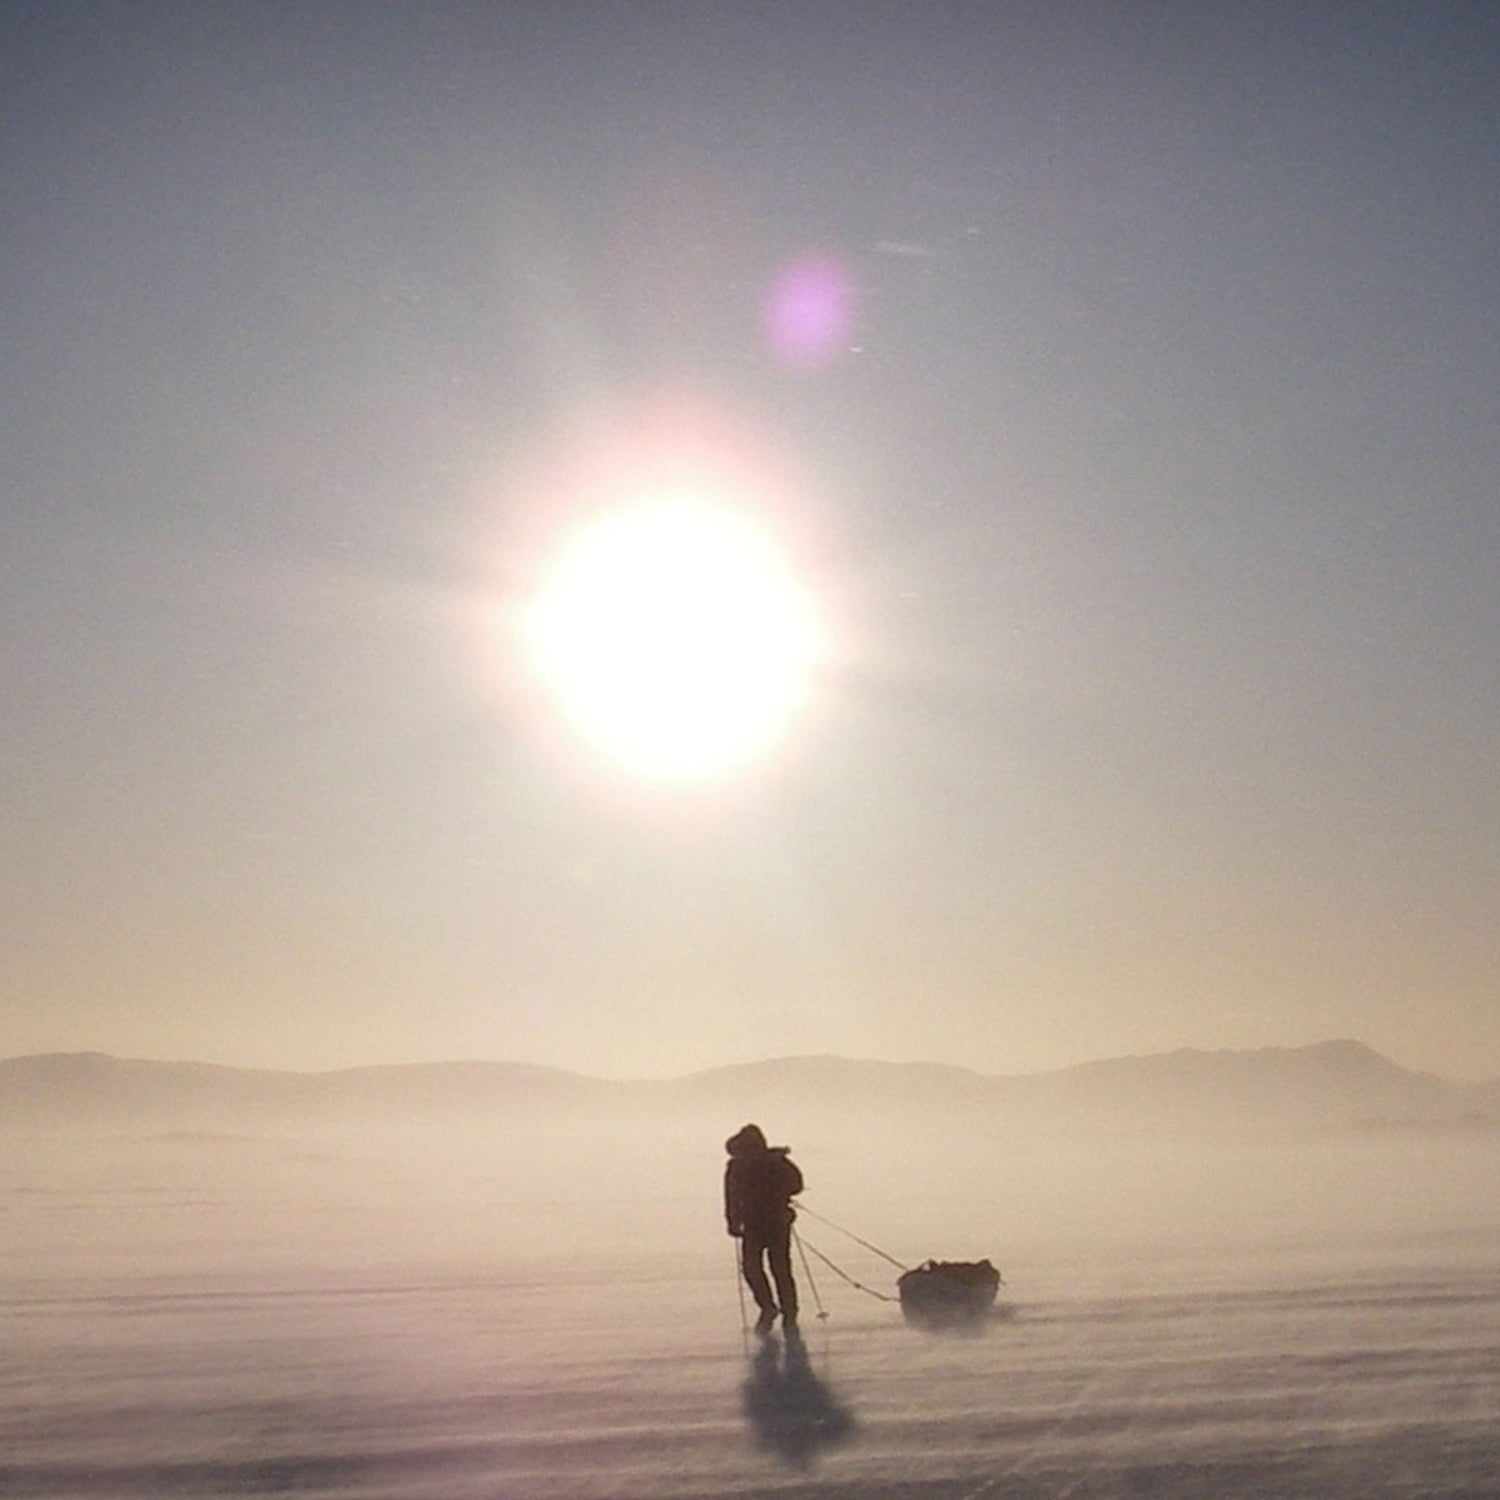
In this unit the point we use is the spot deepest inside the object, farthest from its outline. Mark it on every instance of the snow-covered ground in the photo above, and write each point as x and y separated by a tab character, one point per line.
197	1318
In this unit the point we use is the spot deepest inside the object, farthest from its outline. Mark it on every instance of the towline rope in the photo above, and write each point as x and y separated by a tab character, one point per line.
840	1272
802	1208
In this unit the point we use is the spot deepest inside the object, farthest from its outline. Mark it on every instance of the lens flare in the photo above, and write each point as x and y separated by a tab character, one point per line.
809	310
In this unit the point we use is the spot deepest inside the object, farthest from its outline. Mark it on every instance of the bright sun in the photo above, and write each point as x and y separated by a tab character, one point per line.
674	636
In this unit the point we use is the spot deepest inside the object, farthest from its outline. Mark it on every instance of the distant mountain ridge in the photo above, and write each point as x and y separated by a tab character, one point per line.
95	1085
1335	1085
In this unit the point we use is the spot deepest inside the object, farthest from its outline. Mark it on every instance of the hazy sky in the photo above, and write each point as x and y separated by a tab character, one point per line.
1145	478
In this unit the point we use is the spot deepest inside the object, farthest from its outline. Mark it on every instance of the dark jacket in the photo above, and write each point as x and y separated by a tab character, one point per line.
759	1183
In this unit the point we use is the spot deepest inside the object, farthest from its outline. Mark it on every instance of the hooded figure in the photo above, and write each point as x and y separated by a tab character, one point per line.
759	1184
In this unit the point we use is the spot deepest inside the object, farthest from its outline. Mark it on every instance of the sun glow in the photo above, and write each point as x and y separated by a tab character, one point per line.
675	637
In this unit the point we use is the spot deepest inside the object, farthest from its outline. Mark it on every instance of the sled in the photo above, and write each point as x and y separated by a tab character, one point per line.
948	1293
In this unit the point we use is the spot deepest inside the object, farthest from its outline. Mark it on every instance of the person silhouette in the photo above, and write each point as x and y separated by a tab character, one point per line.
759	1184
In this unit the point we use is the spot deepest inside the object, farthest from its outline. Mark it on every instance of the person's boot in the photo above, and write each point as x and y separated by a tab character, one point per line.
765	1320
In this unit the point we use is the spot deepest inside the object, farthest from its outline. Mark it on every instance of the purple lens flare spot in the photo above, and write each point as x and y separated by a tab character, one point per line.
809	310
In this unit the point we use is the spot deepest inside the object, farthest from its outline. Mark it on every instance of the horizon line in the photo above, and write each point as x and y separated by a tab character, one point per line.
1326	1044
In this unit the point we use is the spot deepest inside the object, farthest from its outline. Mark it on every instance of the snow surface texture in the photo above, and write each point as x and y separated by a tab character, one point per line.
204	1316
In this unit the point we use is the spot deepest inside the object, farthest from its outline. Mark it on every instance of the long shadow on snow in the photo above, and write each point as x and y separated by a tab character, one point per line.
791	1412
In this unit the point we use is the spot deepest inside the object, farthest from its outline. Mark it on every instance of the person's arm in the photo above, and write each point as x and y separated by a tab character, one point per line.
731	1204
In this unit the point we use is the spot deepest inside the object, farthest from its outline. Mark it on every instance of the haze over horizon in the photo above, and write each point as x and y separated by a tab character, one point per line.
1346	1051
1119	385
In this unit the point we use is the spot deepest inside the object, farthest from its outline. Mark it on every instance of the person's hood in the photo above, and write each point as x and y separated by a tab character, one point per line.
747	1139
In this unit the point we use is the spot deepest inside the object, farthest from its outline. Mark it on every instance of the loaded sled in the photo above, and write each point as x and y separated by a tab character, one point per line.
938	1294
948	1293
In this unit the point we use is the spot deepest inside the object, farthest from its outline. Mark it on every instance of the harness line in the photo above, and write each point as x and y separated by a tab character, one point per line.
803	1208
844	1275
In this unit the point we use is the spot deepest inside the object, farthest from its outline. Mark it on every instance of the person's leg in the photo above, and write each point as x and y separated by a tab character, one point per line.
780	1255
752	1257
